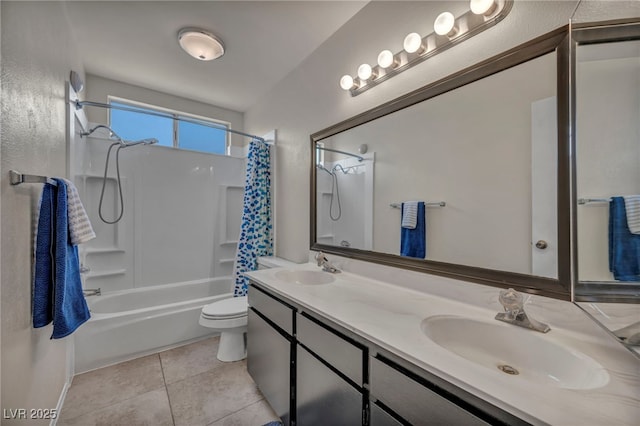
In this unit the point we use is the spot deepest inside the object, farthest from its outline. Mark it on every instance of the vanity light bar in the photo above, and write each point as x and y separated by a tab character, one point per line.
448	31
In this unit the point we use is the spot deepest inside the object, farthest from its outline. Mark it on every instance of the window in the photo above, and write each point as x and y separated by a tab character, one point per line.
196	134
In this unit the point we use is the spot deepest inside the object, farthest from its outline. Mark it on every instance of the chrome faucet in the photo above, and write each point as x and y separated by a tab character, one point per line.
323	262
514	313
92	292
630	334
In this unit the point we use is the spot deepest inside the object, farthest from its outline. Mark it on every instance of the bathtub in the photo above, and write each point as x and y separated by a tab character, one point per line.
132	323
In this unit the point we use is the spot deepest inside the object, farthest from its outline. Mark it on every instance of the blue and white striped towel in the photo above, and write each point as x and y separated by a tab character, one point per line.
80	229
409	214
632	206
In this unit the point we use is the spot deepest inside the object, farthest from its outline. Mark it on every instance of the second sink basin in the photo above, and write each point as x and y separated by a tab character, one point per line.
508	349
305	277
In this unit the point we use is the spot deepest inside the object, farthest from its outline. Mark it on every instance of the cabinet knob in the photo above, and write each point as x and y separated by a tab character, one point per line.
541	244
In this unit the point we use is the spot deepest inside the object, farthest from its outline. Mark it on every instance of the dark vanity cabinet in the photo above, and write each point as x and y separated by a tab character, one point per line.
314	372
329	376
270	350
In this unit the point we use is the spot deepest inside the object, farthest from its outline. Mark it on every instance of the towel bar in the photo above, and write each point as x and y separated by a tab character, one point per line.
17	178
427	203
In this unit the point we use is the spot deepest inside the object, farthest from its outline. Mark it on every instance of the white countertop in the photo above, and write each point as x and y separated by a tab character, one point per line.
390	316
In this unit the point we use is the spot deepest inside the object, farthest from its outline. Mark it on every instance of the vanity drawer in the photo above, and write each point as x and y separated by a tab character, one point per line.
413	401
328	345
276	311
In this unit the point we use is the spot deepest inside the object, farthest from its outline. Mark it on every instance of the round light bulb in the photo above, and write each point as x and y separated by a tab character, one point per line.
385	59
412	42
444	23
346	82
365	72
482	7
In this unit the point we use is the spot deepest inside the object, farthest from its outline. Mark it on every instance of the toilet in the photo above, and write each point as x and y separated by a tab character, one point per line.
229	317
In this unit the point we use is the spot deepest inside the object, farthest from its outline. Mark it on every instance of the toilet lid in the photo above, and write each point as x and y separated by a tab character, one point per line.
232	307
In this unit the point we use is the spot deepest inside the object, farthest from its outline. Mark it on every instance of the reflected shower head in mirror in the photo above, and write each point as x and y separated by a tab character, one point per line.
321	167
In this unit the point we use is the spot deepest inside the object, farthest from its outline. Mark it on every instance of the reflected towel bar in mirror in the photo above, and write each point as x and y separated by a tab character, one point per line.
583	201
427	204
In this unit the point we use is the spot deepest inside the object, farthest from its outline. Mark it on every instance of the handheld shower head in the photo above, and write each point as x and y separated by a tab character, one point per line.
147	141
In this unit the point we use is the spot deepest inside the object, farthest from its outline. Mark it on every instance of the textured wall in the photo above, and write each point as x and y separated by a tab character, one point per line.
37	55
309	99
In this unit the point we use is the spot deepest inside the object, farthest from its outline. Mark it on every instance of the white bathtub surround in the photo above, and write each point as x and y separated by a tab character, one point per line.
132	323
391	315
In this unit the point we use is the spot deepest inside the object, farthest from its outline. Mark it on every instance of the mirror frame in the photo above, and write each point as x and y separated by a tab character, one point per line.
585	34
557	42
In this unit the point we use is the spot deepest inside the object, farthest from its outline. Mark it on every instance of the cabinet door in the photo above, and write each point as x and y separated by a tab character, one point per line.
269	363
380	418
322	396
414	402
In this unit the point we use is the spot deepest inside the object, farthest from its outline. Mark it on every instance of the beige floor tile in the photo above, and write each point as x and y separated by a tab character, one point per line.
256	414
190	360
151	408
211	396
106	386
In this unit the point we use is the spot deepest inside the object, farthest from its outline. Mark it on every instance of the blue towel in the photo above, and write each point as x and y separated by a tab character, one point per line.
413	241
624	247
57	287
43	269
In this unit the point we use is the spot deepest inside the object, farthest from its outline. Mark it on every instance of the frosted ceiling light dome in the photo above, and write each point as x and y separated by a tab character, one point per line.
412	42
444	24
482	7
365	72
385	59
346	82
200	44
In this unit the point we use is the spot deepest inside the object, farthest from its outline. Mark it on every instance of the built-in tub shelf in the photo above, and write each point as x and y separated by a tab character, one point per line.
104	274
229	242
226	260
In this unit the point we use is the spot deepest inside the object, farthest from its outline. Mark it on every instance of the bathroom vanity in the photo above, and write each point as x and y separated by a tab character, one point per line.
347	349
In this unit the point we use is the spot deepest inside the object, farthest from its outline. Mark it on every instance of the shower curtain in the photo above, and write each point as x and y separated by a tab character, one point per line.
255	231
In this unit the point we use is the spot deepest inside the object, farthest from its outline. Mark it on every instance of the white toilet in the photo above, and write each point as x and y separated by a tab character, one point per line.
229	317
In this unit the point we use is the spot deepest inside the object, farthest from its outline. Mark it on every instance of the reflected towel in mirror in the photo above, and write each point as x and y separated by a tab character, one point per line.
413	241
632	206
624	247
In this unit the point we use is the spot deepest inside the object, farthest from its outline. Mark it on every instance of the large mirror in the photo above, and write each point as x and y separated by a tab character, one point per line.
607	161
466	177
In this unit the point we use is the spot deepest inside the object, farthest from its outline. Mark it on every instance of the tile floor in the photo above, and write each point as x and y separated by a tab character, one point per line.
182	386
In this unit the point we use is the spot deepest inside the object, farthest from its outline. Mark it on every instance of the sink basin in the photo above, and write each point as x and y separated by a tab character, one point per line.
508	349
305	277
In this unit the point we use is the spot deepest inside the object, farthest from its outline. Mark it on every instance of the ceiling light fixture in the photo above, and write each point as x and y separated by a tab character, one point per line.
448	31
200	44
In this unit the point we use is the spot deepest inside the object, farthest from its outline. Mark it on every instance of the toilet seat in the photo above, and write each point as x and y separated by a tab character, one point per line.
234	307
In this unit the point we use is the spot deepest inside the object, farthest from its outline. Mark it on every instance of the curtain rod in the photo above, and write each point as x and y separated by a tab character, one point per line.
81	104
340	152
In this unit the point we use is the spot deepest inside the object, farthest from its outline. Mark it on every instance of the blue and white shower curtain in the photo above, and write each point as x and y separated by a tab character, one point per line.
256	230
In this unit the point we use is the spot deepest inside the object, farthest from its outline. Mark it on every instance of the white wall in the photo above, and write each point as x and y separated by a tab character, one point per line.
37	54
98	89
309	99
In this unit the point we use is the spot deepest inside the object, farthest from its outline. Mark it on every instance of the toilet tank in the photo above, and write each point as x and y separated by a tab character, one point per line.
268	262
